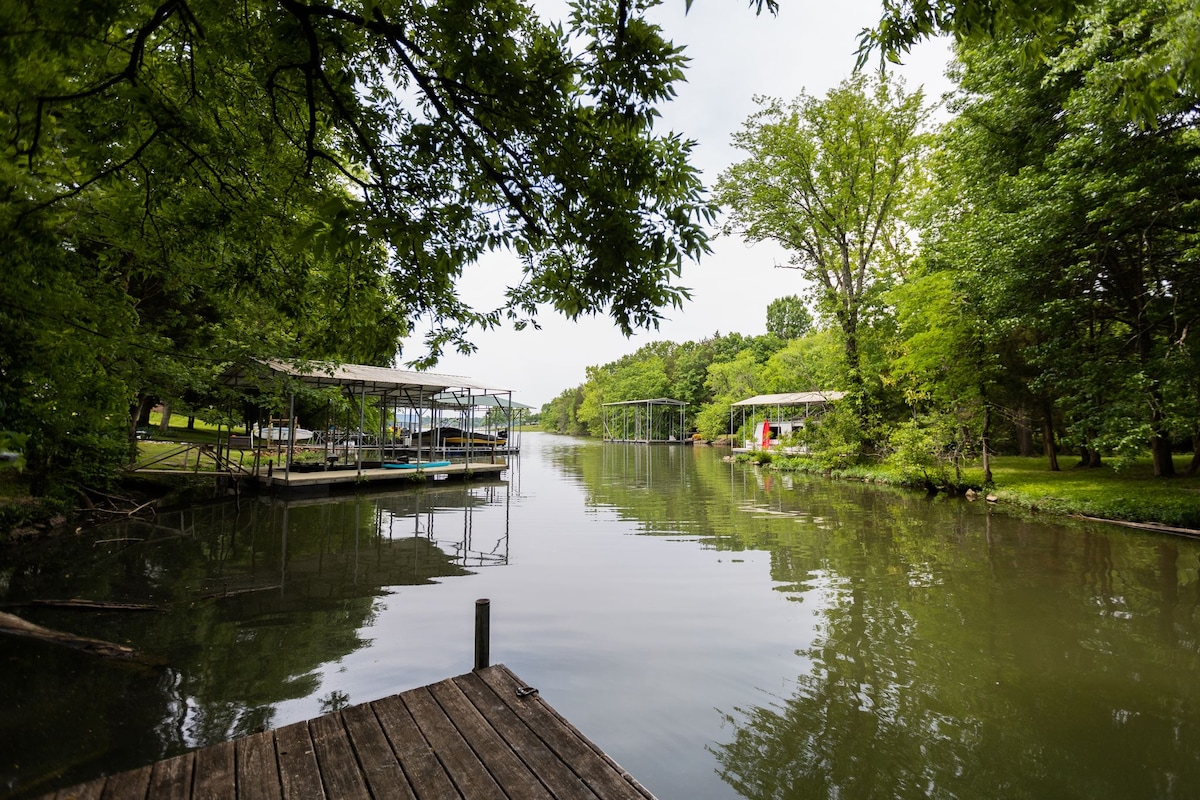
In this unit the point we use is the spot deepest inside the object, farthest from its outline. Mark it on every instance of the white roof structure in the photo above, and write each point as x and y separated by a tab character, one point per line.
405	386
657	401
791	399
493	400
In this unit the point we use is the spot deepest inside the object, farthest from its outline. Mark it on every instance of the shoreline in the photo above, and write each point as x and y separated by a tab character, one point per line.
1003	496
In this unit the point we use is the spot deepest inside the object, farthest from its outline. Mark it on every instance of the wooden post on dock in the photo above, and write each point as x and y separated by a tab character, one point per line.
483	633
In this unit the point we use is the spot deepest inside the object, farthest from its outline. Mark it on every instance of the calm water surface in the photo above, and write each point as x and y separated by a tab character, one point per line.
722	633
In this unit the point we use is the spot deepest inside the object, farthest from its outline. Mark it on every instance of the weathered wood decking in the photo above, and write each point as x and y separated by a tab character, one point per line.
476	737
379	477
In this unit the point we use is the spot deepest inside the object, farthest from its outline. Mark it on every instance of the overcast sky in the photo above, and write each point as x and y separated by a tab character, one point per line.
735	56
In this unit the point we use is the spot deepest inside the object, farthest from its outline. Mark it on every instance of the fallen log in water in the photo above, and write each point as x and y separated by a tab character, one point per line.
235	592
12	624
92	605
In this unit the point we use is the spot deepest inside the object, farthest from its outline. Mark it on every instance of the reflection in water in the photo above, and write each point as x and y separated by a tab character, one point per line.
979	687
767	636
954	653
254	601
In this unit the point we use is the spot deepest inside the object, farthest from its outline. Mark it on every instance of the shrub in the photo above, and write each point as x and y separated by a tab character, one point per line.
835	440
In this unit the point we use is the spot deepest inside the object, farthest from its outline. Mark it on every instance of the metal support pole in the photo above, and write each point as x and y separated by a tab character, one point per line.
483	633
362	423
287	470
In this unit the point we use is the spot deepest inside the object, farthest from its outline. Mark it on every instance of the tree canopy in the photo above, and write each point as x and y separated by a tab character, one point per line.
190	181
1077	229
1165	34
788	317
1028	271
829	179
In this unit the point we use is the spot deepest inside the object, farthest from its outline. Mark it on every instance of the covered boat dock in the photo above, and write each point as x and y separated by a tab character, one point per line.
408	443
657	421
768	420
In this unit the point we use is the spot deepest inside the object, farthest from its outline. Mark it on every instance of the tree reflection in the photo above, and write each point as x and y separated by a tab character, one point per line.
956	653
1028	675
255	602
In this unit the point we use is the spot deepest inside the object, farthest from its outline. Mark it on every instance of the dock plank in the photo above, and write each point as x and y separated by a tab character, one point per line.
340	771
562	782
381	769
172	779
213	773
469	774
257	768
425	773
84	791
299	777
131	784
473	737
591	764
497	757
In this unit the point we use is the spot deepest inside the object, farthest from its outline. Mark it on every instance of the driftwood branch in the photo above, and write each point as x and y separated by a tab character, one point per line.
12	624
77	604
236	592
128	512
1146	526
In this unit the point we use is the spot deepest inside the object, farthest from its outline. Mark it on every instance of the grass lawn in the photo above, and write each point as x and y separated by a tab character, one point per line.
175	455
177	430
1133	493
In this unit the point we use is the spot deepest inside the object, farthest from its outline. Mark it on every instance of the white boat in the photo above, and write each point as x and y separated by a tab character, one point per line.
280	433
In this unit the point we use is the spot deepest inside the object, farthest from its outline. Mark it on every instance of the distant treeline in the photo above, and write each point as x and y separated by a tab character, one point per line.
1022	278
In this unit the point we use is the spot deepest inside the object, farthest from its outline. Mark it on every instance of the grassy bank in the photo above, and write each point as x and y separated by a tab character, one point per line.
177	430
1130	494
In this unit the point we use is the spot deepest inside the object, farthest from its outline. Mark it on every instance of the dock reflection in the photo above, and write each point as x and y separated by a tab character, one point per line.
258	603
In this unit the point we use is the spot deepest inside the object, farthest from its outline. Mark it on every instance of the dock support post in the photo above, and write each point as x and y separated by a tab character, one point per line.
483	633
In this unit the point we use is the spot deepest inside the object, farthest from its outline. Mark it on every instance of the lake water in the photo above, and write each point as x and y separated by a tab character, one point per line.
722	632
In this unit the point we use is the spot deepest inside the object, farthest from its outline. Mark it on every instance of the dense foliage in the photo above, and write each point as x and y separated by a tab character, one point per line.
829	179
1035	281
190	182
1165	35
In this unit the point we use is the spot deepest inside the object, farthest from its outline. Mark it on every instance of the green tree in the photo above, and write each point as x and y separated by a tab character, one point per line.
460	129
830	179
728	382
788	317
194	181
1080	230
813	363
946	374
1167	36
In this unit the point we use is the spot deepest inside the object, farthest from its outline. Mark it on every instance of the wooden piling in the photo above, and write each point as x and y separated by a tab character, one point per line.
483	633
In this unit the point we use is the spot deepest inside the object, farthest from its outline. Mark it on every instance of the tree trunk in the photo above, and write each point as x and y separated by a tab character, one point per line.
146	404
985	443
164	424
191	426
1048	445
1164	465
1024	433
857	392
1160	443
138	411
1195	465
1160	439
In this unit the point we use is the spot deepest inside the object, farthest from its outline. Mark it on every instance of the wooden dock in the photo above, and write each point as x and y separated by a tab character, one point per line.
377	476
323	481
480	736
